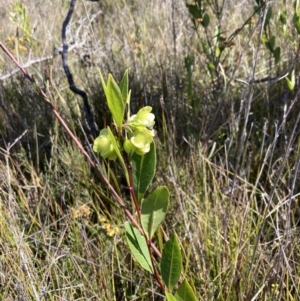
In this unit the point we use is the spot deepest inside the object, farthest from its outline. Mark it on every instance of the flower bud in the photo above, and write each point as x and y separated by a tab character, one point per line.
103	145
128	147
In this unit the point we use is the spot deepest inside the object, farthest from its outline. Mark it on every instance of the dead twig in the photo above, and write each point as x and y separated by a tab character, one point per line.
72	86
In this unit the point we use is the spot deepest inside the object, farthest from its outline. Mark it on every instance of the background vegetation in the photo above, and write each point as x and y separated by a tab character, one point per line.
228	148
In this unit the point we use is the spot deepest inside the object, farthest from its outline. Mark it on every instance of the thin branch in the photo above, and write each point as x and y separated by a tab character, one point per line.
28	64
72	86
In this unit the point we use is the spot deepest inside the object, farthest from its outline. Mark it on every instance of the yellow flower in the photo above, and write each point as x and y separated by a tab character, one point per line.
103	145
140	141
143	118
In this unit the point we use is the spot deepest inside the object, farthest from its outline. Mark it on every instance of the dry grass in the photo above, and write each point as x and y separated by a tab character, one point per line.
228	152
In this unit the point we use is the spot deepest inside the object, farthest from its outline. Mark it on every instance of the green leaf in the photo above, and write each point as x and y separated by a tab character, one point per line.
283	17
115	101
185	292
276	54
143	170
268	16
291	82
296	4
296	21
138	246
218	52
257	9
128	98
169	297
272	43
159	238
194	11
124	87
116	146
171	263
102	82
264	38
114	97
206	20
211	66
154	209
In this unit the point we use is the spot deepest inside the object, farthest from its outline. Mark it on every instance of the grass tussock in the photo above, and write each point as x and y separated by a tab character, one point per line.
228	148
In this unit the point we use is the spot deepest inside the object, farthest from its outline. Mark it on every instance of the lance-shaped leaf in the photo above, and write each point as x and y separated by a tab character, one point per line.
114	99
102	82
138	246
169	297
116	146
124	87
154	209
291	82
185	292
171	263
143	170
